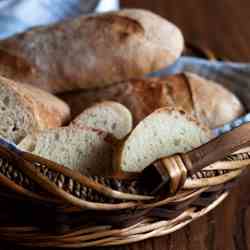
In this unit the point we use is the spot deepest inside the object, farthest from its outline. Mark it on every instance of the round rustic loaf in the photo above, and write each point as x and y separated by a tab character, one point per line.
91	51
208	101
140	96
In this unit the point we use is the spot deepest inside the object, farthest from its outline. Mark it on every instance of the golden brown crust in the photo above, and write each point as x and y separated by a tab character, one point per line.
91	51
178	89
210	103
123	26
49	111
213	104
140	96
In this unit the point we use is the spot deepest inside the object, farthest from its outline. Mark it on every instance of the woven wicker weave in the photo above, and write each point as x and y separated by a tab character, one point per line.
44	204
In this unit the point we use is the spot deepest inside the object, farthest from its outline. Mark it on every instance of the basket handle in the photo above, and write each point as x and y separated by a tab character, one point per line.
174	169
217	149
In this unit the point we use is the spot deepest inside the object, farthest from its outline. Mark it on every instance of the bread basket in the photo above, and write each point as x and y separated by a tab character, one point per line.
79	211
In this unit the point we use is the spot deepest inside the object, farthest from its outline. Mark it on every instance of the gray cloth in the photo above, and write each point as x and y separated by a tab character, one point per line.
19	15
234	76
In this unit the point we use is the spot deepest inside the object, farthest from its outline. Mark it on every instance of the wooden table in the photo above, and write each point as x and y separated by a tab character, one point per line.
221	26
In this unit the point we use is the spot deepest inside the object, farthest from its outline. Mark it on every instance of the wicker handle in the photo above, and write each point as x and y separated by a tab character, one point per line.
217	149
173	170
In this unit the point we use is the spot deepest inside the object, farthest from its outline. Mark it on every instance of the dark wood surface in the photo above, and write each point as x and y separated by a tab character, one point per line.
222	26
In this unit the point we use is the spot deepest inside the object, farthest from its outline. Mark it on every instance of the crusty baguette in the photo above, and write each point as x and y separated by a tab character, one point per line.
86	150
108	116
25	109
91	51
163	133
209	102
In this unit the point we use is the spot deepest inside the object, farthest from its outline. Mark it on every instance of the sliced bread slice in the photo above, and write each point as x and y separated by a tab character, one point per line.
86	150
25	109
163	133
108	116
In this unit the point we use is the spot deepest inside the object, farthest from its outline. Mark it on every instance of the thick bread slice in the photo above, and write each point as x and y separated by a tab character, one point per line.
25	109
91	51
162	133
83	149
108	116
209	102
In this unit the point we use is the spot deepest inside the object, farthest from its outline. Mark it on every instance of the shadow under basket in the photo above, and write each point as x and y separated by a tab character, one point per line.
44	204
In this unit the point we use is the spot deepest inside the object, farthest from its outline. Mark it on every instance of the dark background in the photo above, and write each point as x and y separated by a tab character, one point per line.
221	25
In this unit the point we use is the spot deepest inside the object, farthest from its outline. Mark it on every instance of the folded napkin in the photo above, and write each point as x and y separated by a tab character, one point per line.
234	76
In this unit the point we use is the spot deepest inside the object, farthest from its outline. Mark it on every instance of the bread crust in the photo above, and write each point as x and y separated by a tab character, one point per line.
213	104
91	51
48	111
209	102
140	96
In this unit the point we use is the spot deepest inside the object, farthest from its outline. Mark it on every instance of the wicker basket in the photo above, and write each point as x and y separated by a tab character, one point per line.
44	204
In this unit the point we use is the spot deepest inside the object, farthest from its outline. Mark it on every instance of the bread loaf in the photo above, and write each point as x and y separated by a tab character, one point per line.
209	102
86	150
140	96
25	109
163	133
91	51
108	116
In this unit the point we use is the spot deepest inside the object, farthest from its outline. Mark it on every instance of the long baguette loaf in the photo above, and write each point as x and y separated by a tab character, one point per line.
86	150
163	133
108	116
25	109
91	51
209	102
